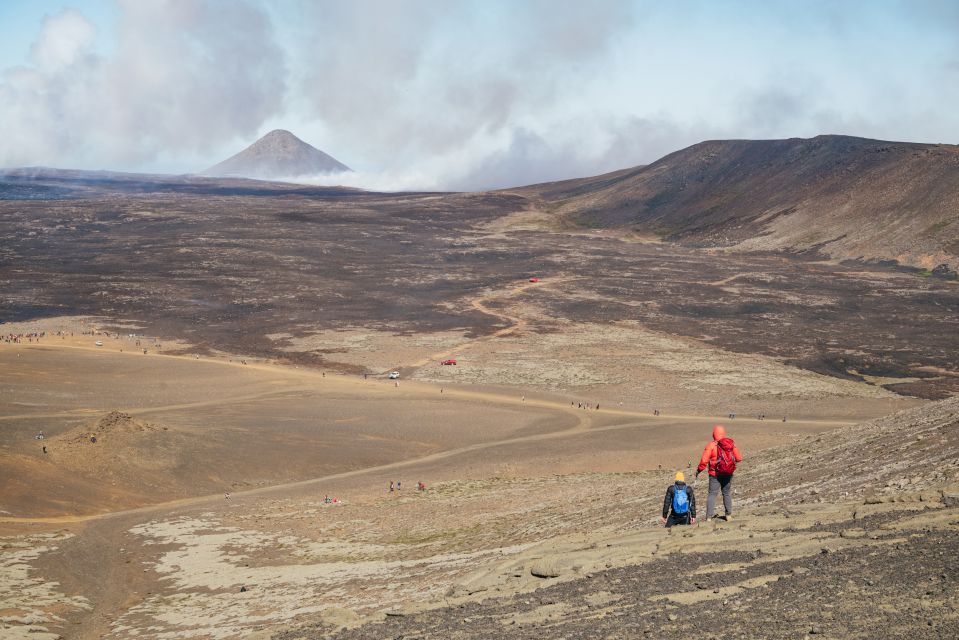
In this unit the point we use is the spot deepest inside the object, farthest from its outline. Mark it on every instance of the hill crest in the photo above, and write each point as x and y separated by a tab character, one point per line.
840	196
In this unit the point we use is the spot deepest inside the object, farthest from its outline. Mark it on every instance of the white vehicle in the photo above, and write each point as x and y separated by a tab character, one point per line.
394	375
99	343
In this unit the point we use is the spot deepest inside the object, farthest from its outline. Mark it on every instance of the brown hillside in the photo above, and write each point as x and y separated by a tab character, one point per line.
848	198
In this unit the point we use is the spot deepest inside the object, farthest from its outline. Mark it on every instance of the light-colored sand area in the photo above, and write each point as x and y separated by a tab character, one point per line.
29	604
623	363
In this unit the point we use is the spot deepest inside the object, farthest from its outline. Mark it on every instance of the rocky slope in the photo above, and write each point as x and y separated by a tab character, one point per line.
842	196
277	155
852	534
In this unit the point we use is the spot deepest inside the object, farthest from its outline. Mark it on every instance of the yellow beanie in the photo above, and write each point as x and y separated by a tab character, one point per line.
680	477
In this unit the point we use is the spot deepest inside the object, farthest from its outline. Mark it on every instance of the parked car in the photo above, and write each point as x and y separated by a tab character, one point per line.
99	343
449	361
394	375
534	279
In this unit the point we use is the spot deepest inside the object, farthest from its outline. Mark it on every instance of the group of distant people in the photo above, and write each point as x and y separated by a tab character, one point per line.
20	338
398	486
582	405
759	416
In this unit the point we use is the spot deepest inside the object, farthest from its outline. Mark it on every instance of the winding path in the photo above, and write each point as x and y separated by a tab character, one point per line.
514	323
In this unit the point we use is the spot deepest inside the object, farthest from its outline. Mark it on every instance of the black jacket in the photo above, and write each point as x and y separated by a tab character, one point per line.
668	502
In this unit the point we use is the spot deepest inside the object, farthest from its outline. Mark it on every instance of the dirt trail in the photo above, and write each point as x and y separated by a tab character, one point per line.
725	281
514	323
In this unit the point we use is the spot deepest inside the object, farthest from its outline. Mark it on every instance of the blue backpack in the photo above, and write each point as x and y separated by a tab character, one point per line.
680	500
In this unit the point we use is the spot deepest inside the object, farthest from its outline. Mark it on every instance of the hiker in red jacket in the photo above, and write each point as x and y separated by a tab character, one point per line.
720	457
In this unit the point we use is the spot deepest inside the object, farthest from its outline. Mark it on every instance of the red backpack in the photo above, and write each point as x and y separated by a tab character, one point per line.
725	458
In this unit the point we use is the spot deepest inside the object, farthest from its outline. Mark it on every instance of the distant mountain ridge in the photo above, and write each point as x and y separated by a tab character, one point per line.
277	155
841	196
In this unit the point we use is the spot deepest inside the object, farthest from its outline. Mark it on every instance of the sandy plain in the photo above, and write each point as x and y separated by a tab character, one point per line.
132	536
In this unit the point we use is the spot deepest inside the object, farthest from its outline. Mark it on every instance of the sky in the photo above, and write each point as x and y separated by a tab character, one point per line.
459	94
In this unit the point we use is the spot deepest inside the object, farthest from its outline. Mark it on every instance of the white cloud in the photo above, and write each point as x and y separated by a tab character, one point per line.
184	76
433	94
63	39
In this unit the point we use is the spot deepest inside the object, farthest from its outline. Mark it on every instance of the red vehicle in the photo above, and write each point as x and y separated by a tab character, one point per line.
450	361
534	279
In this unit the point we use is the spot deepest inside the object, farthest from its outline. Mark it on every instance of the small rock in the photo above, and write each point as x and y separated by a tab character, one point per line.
673	617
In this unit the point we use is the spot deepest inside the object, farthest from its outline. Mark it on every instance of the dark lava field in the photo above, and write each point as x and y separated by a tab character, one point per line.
224	263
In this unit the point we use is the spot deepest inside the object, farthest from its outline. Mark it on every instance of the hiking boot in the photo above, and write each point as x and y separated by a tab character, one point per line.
729	518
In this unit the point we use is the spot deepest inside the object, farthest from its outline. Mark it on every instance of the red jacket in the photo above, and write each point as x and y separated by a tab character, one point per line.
711	452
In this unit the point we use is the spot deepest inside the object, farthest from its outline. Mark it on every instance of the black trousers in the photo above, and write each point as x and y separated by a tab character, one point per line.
677	518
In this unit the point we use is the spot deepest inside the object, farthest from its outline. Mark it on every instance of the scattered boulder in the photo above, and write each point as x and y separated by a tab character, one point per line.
545	568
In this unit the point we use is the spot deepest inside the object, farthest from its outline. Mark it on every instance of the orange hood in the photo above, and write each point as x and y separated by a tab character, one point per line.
719	432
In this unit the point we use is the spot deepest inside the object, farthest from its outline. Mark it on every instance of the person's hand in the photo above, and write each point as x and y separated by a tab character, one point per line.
664	520
692	520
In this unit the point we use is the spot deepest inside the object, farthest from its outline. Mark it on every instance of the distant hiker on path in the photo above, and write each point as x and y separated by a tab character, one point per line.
679	506
720	457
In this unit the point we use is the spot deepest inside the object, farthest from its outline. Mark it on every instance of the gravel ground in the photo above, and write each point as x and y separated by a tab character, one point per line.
904	589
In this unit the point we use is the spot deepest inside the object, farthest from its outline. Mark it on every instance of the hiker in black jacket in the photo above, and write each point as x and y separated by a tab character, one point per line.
679	506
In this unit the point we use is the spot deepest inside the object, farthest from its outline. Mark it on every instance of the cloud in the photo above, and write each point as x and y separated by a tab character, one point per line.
63	39
454	90
431	94
184	76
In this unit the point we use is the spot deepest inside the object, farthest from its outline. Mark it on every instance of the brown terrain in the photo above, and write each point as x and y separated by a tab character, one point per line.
207	360
844	197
